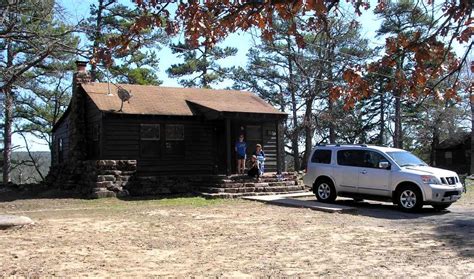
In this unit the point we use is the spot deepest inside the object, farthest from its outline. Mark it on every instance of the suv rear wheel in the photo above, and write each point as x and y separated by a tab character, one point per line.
324	190
409	198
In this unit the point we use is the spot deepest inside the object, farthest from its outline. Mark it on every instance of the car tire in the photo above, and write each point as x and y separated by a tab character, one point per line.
440	207
324	190
409	198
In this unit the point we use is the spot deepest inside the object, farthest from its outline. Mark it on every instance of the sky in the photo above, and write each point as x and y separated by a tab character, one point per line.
77	10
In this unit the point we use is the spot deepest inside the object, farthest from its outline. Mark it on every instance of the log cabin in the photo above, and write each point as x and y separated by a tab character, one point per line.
165	130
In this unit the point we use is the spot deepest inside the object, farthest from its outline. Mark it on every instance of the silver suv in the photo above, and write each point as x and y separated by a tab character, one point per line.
379	173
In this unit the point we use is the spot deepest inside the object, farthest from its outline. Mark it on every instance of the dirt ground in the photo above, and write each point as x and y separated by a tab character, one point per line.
233	238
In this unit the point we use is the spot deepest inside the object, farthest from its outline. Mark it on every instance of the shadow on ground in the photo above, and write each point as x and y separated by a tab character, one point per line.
10	194
388	211
454	226
458	232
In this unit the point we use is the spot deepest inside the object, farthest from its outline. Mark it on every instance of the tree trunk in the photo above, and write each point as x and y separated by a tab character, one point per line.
98	29
329	68
7	133
308	128
295	135
332	127
472	133
397	137
434	145
7	137
382	120
204	81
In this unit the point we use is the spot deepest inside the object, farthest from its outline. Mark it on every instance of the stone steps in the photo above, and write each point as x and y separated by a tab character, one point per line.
248	184
256	189
239	195
236	186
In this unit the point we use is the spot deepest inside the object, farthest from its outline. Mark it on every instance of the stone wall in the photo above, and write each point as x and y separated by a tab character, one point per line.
118	178
95	178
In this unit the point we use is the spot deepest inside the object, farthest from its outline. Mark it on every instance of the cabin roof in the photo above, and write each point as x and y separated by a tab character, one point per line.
158	100
456	141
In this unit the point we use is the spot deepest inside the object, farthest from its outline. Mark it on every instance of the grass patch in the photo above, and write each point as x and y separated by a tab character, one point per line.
114	203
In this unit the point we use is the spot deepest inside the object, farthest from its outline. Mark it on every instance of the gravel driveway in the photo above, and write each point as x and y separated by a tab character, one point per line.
233	238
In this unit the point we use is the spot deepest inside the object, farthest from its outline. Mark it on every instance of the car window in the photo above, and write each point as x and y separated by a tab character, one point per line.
352	158
404	158
372	159
321	156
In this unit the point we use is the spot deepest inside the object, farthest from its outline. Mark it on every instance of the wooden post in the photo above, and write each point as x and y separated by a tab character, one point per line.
228	143
280	149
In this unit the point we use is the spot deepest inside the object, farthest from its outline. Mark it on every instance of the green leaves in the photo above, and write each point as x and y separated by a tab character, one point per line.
121	42
200	65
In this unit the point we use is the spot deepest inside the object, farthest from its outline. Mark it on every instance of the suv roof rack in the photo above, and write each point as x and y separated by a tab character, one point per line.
343	144
363	145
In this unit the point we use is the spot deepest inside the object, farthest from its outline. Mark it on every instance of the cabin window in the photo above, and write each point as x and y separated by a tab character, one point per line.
254	133
150	140
448	155
174	144
150	131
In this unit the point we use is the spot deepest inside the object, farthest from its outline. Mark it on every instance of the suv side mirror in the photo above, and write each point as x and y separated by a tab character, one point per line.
384	165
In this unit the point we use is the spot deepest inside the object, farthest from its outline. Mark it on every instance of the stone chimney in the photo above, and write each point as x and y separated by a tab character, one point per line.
77	124
81	75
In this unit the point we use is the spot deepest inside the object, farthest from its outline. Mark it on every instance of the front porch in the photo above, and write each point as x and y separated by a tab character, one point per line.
263	129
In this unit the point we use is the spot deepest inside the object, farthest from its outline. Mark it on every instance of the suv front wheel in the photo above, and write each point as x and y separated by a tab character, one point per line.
324	190
409	198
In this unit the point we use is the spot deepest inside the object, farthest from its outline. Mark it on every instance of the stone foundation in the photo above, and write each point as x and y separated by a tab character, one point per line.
95	178
118	178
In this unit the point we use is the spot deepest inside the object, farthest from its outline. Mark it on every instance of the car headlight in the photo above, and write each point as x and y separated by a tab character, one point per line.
428	179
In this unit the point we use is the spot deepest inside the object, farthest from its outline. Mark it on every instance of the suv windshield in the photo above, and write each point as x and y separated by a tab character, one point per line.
405	159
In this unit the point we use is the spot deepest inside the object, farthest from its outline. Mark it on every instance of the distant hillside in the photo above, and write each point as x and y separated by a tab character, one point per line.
23	171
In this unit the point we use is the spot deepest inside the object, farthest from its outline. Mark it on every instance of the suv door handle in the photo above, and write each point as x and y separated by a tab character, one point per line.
363	172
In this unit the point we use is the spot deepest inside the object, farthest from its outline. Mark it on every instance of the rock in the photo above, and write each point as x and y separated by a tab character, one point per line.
9	221
122	194
102	194
104	184
107	177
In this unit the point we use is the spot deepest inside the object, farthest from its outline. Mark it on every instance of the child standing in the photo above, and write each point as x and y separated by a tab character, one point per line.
260	157
241	151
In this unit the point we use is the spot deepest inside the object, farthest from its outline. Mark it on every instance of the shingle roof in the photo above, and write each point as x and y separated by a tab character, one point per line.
455	141
157	100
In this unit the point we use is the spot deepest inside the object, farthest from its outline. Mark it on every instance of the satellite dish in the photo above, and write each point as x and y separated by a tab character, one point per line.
124	95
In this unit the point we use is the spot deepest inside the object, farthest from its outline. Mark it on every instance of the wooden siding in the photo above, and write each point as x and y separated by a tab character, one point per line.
270	146
61	133
459	161
121	140
93	127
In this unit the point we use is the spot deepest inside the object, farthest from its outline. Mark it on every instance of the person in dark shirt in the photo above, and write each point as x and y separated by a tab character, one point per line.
241	151
254	170
260	157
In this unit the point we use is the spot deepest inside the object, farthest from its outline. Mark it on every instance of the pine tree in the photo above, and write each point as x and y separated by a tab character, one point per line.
404	19
30	35
200	65
136	64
